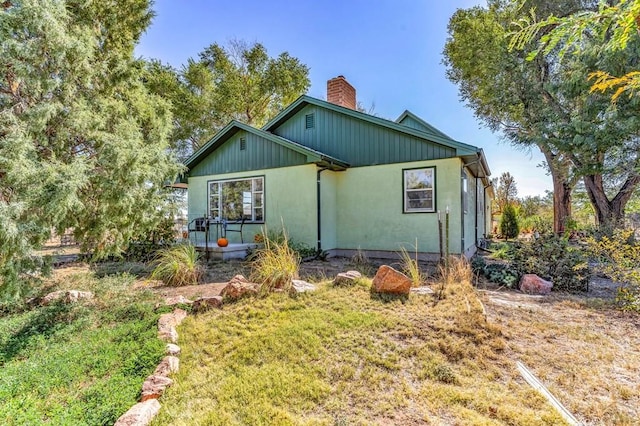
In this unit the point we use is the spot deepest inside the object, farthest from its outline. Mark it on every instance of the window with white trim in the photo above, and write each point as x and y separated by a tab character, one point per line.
237	199
419	192
465	191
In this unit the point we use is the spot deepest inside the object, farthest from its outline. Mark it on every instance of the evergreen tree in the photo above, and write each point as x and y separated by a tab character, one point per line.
83	144
509	227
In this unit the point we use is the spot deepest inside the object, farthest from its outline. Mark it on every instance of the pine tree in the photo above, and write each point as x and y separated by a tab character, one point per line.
509	226
83	144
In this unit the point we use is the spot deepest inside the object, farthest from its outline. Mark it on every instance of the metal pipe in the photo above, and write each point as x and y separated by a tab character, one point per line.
319	209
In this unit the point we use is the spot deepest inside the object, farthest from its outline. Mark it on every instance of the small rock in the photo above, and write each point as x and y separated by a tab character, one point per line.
533	284
239	287
177	300
300	286
388	280
205	303
422	290
69	296
168	365
172	349
154	387
179	315
75	295
347	278
140	414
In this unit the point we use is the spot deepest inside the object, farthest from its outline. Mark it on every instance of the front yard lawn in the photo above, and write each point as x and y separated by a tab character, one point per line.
78	364
340	356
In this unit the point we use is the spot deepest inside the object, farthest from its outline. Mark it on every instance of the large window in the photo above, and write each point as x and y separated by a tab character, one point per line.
237	199
419	190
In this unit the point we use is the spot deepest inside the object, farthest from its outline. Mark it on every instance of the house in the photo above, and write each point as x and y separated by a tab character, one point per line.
341	180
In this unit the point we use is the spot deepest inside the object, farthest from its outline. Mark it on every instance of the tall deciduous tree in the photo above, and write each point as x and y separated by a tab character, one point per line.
239	81
546	102
83	144
506	191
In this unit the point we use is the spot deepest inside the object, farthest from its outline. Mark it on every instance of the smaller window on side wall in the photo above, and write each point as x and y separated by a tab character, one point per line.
309	121
419	190
465	191
243	144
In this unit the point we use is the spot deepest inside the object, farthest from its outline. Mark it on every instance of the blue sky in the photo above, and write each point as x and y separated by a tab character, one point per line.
390	51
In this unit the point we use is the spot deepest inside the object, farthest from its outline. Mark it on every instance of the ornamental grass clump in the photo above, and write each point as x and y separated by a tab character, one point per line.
178	266
275	265
411	268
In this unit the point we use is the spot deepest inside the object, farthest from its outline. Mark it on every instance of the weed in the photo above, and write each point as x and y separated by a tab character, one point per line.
361	263
411	268
178	266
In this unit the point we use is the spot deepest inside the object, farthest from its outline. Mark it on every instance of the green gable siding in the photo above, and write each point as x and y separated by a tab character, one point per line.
414	124
260	153
361	142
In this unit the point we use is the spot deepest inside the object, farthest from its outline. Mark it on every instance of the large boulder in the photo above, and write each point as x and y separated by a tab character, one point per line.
347	278
140	414
533	284
239	287
389	280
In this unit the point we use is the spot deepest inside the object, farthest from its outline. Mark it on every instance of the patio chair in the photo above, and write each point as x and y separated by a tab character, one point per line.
199	224
236	222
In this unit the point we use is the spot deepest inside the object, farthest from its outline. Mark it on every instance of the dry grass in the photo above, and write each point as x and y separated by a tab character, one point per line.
276	264
177	266
411	268
585	352
339	356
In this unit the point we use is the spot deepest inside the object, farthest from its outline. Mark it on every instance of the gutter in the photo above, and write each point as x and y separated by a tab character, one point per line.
319	208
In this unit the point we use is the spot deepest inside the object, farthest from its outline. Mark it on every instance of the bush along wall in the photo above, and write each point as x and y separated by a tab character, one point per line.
551	257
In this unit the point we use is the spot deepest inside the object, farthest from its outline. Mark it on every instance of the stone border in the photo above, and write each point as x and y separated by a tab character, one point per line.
154	386
142	413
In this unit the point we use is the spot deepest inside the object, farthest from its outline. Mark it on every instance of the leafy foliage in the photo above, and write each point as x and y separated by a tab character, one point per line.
83	144
178	266
78	364
509	227
500	273
615	25
553	258
234	82
547	102
619	258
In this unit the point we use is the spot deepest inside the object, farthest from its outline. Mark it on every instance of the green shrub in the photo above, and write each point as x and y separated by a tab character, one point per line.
618	256
498	273
509	227
178	265
276	264
553	258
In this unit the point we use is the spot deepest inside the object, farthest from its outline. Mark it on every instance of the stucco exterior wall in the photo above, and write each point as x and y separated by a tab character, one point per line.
362	207
290	198
370	211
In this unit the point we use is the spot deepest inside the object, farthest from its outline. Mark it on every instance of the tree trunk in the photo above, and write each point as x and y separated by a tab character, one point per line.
609	213
562	188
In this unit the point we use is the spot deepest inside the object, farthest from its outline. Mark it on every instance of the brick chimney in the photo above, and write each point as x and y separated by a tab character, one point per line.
340	92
